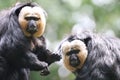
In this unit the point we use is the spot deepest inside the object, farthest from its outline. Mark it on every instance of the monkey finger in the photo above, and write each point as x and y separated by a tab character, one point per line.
39	66
54	57
44	72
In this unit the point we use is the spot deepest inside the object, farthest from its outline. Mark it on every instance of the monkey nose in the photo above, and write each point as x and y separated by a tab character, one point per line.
32	27
74	60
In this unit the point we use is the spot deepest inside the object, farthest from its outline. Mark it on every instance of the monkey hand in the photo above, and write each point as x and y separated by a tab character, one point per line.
44	72
39	65
54	57
31	61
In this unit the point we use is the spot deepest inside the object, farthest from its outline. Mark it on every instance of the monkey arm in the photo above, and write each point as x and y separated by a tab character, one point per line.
31	61
46	55
16	55
3	67
42	52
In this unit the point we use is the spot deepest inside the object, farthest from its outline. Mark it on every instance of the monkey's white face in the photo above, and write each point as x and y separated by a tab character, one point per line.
74	53
32	21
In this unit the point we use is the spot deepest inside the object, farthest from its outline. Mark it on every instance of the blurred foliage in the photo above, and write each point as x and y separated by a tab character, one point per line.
64	14
53	69
52	76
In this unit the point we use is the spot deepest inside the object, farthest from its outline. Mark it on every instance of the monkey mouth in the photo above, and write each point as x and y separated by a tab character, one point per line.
75	63
31	30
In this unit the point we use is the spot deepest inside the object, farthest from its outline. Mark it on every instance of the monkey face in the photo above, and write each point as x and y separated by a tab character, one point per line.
74	53
32	21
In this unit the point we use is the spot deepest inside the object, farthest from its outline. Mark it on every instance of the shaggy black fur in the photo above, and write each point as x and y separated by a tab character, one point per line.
16	56
103	61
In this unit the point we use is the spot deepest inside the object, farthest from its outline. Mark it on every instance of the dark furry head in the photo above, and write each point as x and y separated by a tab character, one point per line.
10	29
74	50
30	17
99	55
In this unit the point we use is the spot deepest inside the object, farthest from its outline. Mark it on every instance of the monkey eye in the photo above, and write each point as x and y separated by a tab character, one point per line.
32	18
72	52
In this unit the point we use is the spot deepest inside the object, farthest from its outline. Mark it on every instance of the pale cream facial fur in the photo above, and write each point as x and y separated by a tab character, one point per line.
74	45
36	12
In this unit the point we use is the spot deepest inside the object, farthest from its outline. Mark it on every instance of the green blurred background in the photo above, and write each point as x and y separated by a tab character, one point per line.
66	15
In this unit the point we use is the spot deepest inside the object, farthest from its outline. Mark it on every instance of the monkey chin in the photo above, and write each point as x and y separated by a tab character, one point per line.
73	64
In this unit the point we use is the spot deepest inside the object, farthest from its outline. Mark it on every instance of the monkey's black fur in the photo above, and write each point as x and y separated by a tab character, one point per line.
16	56
103	60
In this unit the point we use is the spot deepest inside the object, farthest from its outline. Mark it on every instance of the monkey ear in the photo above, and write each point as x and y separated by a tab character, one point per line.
18	6
45	13
86	40
16	9
18	3
85	36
